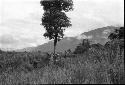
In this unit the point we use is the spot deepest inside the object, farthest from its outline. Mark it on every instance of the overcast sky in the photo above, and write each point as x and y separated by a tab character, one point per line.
20	20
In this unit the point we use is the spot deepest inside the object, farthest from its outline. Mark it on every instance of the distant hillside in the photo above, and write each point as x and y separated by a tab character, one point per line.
96	36
64	44
99	35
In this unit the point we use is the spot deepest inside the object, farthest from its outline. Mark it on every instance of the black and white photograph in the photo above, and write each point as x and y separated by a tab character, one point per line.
61	42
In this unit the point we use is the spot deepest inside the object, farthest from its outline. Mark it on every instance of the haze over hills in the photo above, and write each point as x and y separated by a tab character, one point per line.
98	35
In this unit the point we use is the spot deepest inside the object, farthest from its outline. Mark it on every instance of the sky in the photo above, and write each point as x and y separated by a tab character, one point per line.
20	20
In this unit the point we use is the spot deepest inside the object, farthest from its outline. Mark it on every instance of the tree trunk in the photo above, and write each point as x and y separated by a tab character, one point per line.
54	48
55	42
54	56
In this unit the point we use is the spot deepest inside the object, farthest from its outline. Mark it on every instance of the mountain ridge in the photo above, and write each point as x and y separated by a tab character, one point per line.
98	35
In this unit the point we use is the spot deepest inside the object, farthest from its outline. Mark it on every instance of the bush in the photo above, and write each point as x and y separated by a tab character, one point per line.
82	47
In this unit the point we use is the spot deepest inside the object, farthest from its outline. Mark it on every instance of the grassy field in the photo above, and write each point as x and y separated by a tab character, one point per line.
96	66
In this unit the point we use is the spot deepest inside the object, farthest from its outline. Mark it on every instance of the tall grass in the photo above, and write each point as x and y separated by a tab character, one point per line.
96	66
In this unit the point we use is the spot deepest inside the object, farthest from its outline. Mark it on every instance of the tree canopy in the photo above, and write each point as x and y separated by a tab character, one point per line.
54	18
61	5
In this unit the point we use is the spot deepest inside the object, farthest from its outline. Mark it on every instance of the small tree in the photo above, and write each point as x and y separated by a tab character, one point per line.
54	18
82	47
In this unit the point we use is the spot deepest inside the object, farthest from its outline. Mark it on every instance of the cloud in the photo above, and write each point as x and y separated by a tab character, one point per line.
21	33
13	42
17	35
106	31
91	14
84	37
7	39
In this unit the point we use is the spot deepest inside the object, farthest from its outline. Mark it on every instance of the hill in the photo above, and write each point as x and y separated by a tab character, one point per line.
98	35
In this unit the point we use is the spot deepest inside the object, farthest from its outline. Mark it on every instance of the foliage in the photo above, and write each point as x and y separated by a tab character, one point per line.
117	34
82	47
54	18
61	5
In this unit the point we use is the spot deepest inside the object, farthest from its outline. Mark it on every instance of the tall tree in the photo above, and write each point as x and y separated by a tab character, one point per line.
54	18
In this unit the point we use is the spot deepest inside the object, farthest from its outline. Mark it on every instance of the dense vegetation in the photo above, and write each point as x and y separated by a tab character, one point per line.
117	34
94	64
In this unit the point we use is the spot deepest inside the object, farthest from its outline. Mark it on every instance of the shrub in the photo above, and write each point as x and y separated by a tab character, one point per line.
82	47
